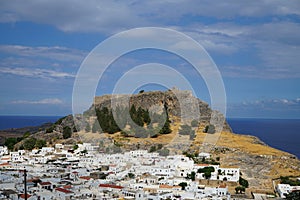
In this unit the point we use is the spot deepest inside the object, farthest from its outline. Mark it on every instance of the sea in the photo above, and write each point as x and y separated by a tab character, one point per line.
7	122
283	134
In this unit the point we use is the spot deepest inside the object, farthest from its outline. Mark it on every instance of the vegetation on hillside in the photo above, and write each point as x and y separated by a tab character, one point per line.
210	129
138	119
289	180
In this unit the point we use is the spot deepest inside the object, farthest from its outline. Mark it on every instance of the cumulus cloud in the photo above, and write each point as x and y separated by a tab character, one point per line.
55	52
274	37
35	73
49	101
40	62
268	103
111	16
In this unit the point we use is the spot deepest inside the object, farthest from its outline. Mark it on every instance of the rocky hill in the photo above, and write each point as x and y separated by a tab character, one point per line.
179	104
259	163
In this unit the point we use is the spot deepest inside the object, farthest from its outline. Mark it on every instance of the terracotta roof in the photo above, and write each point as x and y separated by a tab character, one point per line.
165	186
67	186
23	196
4	164
202	164
111	186
222	186
85	177
45	183
63	190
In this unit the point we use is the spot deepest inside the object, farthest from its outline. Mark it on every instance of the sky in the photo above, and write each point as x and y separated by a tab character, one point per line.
254	44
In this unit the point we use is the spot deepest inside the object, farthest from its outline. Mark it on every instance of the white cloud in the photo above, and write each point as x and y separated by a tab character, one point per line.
35	73
50	101
274	102
269	29
111	16
55	52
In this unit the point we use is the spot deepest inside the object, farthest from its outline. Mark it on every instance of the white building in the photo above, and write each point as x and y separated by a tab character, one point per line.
284	189
3	150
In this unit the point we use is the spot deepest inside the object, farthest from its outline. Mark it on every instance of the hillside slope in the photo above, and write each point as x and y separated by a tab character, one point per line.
259	163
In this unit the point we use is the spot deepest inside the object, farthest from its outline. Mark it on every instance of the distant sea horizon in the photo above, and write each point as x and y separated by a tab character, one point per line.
283	134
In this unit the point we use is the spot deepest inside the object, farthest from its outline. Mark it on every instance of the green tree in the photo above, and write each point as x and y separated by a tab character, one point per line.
106	121
29	143
206	171
164	152
152	149
10	143
210	129
293	195
67	132
185	130
166	129
40	144
183	185
159	146
240	189
26	134
75	146
243	182
130	175
194	123
146	117
192	176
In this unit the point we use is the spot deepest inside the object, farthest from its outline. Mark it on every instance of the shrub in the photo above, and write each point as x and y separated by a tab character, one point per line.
40	143
210	129
243	182
67	133
194	123
29	143
183	185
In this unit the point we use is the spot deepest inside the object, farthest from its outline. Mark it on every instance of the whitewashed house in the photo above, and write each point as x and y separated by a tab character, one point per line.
3	150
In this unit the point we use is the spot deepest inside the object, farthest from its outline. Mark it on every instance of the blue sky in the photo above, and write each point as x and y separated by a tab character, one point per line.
255	45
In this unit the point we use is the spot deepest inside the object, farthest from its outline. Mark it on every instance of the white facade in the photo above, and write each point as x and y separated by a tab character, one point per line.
3	150
284	189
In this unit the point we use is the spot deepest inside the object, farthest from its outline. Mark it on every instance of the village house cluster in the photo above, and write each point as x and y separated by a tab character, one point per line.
62	172
284	189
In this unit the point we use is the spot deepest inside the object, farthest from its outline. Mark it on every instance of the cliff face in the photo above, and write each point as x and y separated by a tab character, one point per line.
179	104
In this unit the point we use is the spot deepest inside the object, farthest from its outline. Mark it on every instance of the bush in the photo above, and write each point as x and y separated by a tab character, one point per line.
183	185
40	143
10	142
50	129
29	143
243	182
164	152
287	180
26	134
207	171
187	130
210	129
152	149
67	133
194	123
240	189
166	128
